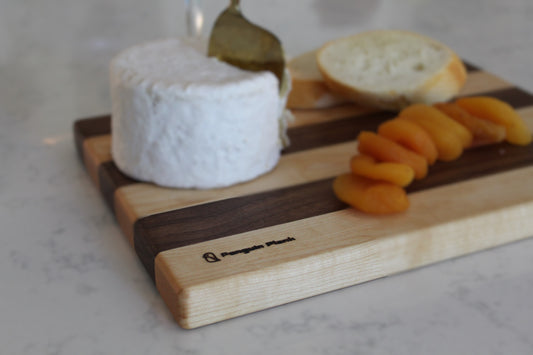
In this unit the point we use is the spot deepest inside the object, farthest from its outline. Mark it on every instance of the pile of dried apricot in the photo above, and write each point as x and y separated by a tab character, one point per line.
404	147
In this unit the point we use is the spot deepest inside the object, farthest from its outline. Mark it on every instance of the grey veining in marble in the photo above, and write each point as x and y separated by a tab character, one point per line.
70	283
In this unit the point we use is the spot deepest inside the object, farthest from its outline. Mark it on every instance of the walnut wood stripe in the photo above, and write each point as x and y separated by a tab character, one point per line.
346	129
333	132
111	178
476	162
196	224
471	67
90	127
514	96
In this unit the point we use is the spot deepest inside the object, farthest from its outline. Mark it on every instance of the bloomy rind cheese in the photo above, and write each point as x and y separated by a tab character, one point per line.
181	119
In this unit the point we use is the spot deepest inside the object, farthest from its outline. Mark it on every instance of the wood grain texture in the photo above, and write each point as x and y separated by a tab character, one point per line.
316	243
292	169
90	127
343	248
110	179
181	227
96	151
480	81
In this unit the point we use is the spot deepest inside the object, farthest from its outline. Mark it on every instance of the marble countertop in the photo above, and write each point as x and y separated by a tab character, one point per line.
71	283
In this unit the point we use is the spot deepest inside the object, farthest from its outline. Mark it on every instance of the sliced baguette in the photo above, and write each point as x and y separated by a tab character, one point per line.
391	69
309	91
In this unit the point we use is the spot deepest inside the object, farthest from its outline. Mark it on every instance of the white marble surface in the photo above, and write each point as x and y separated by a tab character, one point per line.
70	283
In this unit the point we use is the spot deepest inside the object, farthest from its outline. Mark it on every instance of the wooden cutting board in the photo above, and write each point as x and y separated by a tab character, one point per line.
222	253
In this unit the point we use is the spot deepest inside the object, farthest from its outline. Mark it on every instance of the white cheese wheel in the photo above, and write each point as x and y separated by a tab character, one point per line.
181	119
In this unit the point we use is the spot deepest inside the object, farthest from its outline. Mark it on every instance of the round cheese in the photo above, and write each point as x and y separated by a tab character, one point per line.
182	119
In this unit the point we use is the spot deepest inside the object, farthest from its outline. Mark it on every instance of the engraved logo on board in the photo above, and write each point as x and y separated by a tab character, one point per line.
211	257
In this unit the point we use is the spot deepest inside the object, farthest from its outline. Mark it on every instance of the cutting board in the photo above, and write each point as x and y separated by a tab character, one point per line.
221	253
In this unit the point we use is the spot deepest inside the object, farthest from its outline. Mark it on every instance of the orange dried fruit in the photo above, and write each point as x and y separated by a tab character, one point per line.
411	136
385	150
449	146
438	118
369	195
483	131
499	112
394	173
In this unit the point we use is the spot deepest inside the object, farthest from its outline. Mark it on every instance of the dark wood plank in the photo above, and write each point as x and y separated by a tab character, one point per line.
514	96
110	179
90	127
333	132
470	68
347	129
474	163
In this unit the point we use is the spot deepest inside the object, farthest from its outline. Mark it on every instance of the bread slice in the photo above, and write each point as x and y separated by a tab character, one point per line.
390	69
309	91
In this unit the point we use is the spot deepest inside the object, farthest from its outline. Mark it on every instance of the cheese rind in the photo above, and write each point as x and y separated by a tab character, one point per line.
181	119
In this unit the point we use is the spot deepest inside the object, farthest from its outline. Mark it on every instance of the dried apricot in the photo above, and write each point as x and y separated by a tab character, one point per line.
440	120
499	112
385	150
369	195
411	136
483	131
395	173
449	147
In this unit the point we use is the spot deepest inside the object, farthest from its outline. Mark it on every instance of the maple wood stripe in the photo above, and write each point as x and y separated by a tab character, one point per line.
173	229
333	132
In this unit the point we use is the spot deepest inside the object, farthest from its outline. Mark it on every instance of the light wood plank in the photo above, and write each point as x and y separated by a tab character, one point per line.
481	82
342	249
96	150
307	117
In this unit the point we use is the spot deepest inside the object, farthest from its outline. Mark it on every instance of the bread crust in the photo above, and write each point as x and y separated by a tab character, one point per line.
309	91
309	94
441	86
